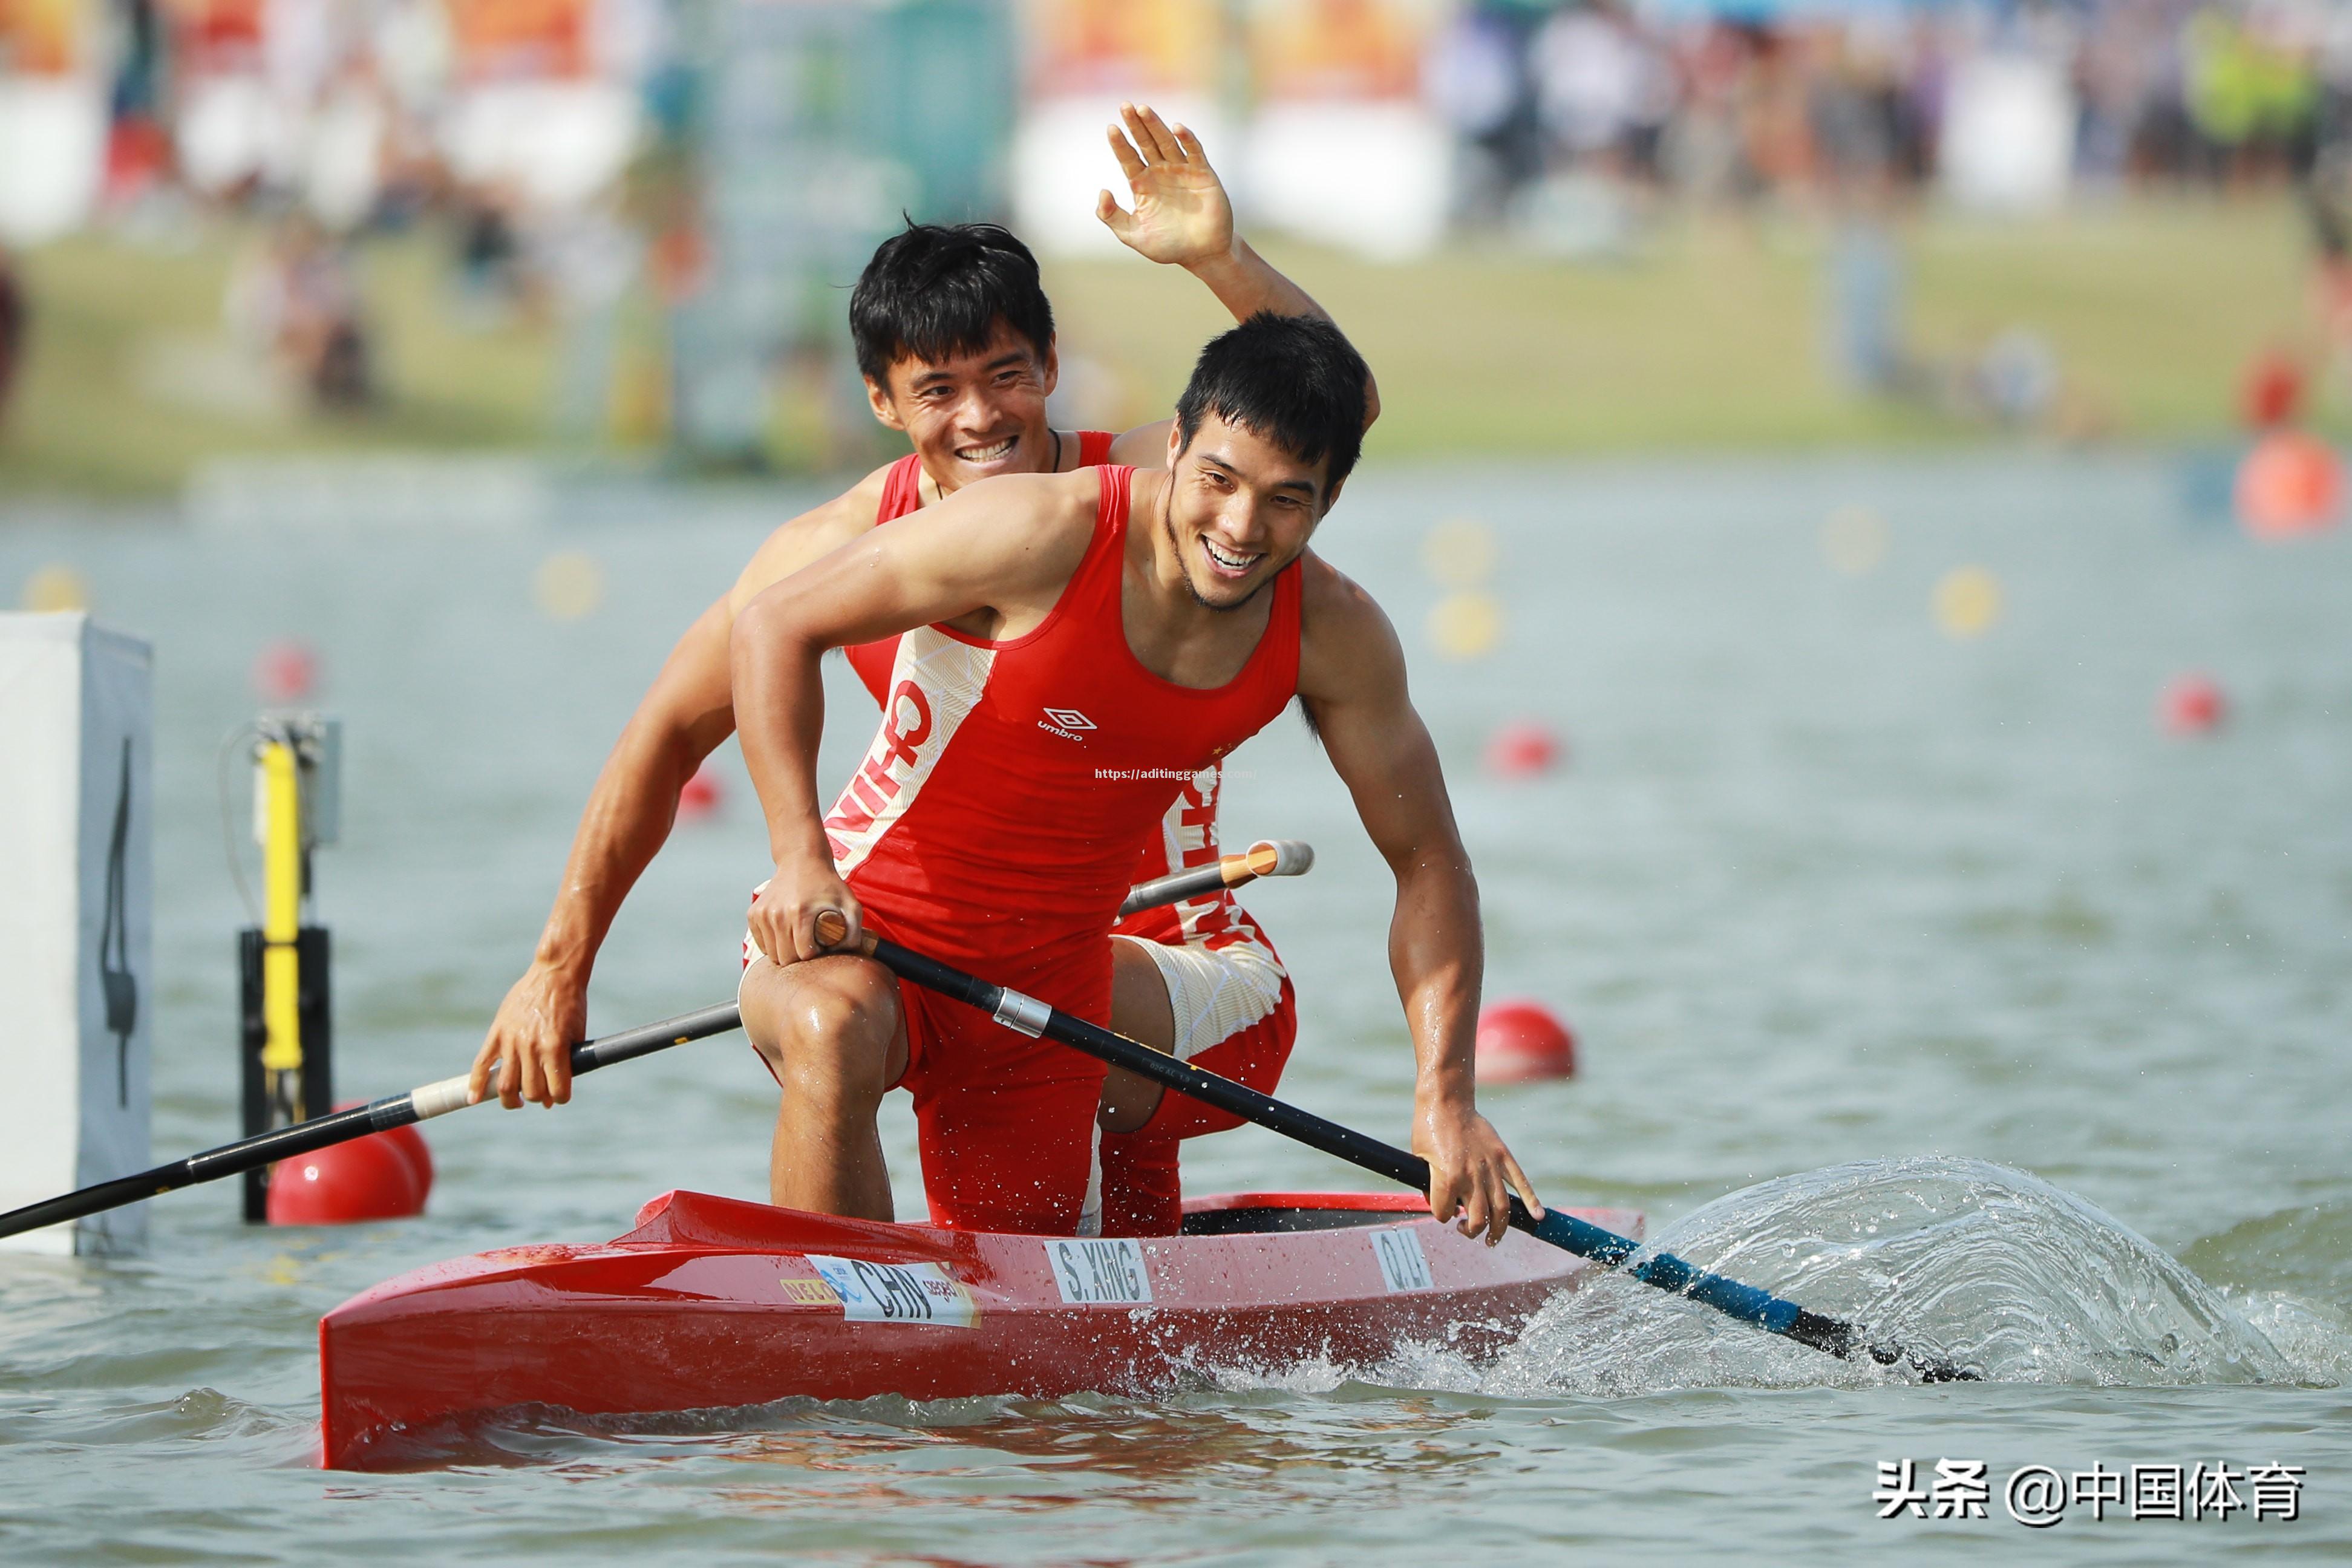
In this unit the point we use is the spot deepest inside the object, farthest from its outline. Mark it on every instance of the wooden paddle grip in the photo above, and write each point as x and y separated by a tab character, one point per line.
833	929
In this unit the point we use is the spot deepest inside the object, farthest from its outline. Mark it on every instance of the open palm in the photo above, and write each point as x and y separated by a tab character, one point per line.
1180	213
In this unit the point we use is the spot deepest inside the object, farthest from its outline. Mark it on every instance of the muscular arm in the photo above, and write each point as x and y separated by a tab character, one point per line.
992	559
1352	678
1181	217
681	720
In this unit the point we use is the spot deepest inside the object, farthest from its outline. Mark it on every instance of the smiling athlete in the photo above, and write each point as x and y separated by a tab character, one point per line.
955	337
1071	648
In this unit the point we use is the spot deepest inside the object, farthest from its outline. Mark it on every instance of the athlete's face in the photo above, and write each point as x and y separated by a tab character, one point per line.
1240	509
975	414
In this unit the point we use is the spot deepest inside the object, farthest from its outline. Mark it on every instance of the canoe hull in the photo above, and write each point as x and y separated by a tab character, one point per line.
712	1302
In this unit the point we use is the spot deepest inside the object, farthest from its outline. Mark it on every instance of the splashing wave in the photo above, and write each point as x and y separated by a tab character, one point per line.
1990	1267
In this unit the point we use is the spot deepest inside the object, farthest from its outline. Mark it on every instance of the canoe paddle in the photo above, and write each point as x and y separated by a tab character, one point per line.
1267	857
421	1104
1278	857
1662	1269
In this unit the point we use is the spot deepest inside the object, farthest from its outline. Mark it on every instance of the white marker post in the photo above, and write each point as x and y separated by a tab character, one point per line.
77	886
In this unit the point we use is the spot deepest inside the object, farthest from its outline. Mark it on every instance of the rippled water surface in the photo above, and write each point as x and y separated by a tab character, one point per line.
1925	981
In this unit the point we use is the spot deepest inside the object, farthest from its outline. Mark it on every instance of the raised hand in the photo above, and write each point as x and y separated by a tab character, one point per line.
1181	214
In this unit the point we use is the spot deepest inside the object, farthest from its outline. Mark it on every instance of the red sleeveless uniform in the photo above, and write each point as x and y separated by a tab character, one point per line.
995	823
1235	1011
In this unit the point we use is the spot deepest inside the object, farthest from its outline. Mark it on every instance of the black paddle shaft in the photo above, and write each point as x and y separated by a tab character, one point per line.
1664	1270
321	1131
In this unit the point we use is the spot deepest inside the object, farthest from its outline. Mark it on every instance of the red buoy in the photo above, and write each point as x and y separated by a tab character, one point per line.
701	796
286	672
1522	1041
2271	394
385	1176
2193	704
2291	483
1522	748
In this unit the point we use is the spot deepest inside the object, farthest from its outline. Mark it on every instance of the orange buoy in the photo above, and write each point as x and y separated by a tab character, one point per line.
702	797
1523	1041
2193	704
286	670
1522	748
2291	483
385	1176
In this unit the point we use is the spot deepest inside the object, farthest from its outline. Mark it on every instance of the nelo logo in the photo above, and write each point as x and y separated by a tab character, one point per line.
1066	722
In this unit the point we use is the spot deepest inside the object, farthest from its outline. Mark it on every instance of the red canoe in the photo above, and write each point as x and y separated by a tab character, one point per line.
713	1302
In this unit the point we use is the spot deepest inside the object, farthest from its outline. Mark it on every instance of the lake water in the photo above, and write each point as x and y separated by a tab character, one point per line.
1840	904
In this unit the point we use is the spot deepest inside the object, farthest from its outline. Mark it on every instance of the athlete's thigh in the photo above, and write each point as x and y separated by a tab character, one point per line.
1006	1119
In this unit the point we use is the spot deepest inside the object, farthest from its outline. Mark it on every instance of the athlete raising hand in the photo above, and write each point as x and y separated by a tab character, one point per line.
955	337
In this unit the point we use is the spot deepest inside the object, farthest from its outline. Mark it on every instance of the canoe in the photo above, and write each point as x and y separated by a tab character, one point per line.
714	1302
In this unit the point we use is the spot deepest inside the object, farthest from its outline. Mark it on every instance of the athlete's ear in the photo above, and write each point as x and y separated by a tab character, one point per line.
1331	498
1053	364
1175	443
884	406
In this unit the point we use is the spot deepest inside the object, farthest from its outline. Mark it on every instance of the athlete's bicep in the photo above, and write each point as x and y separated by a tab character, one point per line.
1352	679
692	701
993	543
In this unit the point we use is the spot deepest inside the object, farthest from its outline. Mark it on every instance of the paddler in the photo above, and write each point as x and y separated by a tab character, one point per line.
1072	646
955	337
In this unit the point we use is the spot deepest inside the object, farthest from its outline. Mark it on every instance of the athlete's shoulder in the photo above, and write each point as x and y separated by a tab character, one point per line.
1329	600
846	515
1344	636
862	499
811	535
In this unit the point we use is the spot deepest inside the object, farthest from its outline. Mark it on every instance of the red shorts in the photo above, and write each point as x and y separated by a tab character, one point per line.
1142	1194
1005	1123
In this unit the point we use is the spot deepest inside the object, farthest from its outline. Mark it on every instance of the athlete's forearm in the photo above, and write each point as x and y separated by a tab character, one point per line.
780	717
1246	283
1437	952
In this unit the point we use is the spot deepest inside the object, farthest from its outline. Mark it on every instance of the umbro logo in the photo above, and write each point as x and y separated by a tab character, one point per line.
1066	722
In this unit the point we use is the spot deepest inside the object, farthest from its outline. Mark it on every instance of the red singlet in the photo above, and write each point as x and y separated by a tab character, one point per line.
902	492
994	822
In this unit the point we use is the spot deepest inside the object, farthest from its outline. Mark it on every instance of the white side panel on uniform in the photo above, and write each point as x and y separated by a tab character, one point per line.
77	883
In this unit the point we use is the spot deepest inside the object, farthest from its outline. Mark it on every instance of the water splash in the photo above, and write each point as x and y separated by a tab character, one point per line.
1958	1259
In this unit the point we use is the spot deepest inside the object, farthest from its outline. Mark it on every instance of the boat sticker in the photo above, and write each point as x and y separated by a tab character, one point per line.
1402	1268
811	1292
1100	1273
898	1292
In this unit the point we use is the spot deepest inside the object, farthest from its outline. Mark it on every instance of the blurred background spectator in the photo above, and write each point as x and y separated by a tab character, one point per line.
626	224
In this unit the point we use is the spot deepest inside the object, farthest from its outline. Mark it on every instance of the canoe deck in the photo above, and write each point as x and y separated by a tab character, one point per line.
714	1302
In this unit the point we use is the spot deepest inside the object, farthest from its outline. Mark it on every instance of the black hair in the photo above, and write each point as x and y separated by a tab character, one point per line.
1294	380
937	291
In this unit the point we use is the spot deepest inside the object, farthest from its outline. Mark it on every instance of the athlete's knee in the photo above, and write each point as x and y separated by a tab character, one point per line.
827	1029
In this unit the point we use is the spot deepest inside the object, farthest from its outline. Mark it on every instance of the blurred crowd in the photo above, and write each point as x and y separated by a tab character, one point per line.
2010	103
514	127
